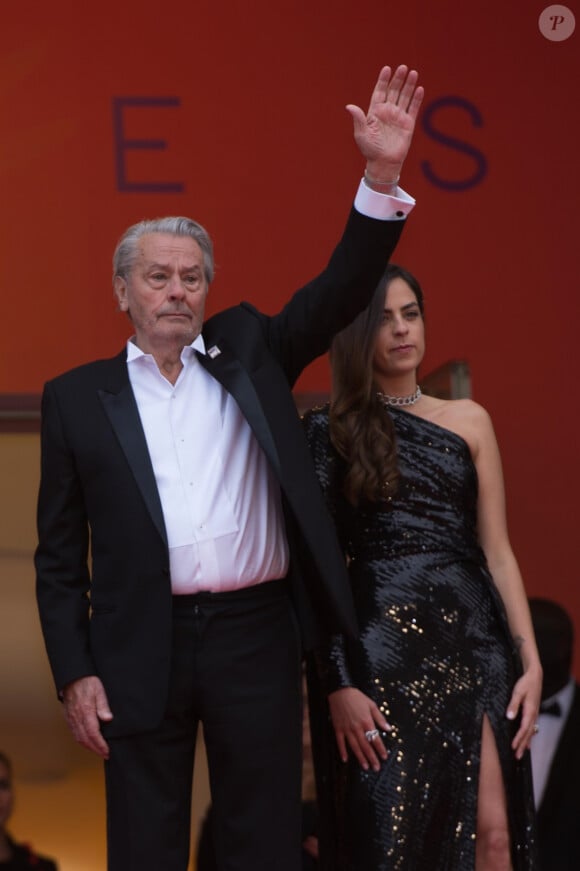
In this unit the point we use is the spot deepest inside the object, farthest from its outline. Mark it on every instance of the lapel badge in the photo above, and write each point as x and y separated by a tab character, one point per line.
213	352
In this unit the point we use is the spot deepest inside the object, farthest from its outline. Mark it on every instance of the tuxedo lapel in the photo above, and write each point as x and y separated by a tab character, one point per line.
227	369
121	408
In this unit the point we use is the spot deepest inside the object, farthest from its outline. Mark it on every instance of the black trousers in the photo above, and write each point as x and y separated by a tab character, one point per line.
236	669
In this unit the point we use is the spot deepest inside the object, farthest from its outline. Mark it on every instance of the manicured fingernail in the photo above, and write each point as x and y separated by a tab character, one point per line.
510	715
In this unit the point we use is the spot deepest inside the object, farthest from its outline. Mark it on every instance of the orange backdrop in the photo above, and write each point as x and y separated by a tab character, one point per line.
233	113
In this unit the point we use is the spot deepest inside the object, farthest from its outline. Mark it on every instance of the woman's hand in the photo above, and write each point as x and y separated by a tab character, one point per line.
354	714
526	696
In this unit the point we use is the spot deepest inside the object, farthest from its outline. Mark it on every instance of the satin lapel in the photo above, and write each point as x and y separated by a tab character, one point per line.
123	414
228	370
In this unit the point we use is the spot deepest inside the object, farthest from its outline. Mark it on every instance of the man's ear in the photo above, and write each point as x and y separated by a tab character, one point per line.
120	291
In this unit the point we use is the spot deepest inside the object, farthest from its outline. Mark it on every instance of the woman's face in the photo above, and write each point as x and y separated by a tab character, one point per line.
6	795
400	342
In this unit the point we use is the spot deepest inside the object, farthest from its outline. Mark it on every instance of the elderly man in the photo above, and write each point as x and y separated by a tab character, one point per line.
181	466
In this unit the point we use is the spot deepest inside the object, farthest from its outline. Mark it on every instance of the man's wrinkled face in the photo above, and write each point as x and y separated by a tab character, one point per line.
165	291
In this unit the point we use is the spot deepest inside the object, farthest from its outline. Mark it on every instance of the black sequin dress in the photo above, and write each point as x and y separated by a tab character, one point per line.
435	654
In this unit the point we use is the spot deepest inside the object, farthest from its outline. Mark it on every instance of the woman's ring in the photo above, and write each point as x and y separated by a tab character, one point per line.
536	728
372	734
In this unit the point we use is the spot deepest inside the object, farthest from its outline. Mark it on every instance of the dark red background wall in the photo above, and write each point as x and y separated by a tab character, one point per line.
258	144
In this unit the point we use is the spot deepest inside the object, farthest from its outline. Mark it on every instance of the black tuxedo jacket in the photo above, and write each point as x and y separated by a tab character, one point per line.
99	502
559	812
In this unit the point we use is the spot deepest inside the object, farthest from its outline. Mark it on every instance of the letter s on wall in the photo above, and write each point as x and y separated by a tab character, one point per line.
428	119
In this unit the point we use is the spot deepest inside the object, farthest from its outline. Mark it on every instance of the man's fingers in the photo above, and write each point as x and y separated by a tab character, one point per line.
358	117
85	706
415	103
402	95
102	707
398	84
379	94
86	731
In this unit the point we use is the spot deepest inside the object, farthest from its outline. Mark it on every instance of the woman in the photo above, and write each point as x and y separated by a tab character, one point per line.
15	857
435	704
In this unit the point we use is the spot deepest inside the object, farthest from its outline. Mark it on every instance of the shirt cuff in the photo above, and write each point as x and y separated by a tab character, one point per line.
382	206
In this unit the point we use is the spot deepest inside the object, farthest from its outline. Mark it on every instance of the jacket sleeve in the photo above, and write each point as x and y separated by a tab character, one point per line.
305	327
331	656
62	574
332	666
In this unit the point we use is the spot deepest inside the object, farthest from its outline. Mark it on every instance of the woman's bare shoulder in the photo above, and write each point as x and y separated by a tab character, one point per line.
464	417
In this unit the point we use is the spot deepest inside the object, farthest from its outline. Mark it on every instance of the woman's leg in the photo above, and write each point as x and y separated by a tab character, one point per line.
493	836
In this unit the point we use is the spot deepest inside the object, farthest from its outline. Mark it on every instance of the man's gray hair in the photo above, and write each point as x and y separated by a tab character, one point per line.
126	251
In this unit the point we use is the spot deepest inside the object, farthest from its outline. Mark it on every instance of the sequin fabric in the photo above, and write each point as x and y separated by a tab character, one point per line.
434	653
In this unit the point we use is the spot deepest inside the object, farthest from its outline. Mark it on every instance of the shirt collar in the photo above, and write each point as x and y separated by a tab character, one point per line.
134	352
564	697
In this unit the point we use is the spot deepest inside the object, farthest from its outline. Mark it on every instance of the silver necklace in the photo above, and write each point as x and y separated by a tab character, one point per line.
400	400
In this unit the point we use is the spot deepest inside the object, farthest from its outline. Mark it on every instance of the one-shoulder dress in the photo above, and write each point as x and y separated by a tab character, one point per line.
436	655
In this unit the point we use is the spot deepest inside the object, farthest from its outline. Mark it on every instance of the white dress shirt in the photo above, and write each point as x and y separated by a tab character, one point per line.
544	744
221	501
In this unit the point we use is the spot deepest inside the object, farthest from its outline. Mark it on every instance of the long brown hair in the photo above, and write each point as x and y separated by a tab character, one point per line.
361	429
